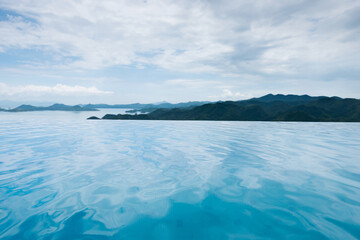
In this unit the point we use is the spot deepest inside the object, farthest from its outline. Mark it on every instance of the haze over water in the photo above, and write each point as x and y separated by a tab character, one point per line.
63	177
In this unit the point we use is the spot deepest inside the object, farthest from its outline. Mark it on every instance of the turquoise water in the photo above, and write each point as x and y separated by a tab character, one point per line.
62	177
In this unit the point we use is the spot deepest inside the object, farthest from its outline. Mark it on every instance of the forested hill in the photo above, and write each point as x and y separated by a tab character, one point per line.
267	108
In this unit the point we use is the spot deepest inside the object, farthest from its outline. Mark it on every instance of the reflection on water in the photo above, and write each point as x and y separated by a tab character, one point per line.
67	178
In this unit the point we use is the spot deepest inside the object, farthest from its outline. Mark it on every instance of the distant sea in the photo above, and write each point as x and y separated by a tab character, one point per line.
64	177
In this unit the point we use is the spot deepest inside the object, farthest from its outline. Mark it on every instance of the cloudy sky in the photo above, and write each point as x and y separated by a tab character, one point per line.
149	51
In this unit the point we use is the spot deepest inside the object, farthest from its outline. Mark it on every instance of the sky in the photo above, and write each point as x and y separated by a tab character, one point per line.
91	51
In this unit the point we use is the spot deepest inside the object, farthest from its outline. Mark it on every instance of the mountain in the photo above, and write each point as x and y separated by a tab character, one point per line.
325	109
180	105
290	98
152	108
25	107
137	107
6	104
267	108
132	105
141	107
62	107
54	107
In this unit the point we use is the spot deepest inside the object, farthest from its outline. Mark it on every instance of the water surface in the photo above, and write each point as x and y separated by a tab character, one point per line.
62	177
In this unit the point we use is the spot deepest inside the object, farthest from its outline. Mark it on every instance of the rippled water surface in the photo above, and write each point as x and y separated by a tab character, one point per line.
62	177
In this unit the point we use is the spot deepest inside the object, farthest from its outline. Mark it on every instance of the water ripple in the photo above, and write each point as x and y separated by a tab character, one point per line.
77	179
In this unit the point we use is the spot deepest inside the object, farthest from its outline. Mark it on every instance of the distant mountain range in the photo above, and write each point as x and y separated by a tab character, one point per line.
141	107
135	107
267	108
54	107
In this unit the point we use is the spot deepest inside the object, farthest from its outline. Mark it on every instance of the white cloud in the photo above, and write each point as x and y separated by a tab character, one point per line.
219	89
192	83
228	94
227	37
58	89
248	47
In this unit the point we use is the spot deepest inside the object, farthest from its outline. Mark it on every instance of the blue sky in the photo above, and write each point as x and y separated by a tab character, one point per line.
150	51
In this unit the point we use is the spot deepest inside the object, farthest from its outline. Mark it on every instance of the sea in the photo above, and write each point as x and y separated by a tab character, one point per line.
65	177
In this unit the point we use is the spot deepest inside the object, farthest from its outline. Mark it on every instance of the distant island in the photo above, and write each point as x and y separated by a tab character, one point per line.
267	108
54	107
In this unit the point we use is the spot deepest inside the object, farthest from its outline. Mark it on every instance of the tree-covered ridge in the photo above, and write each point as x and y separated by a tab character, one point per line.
267	108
